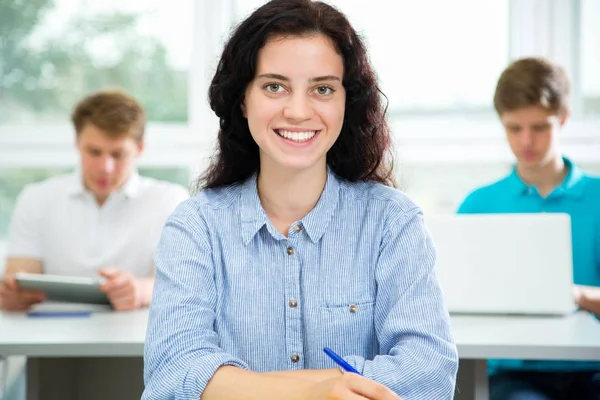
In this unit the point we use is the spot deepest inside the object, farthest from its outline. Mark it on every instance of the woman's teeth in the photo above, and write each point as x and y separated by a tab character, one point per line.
296	136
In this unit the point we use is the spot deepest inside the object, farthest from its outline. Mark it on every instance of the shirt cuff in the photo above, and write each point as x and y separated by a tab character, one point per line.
358	363
202	371
23	251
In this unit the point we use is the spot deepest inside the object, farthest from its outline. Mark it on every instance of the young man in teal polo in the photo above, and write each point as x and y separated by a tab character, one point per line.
532	101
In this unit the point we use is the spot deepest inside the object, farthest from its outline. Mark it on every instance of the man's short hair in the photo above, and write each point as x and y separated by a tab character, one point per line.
114	112
533	81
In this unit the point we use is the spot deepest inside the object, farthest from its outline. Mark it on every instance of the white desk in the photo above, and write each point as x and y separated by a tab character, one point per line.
103	334
98	357
478	338
122	335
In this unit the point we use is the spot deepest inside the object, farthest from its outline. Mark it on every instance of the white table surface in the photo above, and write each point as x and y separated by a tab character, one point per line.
573	337
102	334
113	334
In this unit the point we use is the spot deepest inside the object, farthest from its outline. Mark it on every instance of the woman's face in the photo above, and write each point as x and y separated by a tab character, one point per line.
295	104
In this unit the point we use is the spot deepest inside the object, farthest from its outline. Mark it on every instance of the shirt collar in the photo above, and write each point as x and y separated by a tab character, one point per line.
314	223
130	189
133	186
76	187
572	185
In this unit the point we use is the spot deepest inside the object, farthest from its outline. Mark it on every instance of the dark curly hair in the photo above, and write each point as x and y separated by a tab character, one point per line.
362	152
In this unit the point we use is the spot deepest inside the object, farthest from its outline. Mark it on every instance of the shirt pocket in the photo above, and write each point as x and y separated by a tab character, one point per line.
344	286
350	327
350	311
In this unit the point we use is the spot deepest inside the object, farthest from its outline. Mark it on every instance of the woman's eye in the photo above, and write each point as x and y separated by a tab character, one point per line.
324	90
273	87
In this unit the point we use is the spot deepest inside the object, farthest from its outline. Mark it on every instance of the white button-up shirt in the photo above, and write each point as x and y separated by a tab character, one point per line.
59	222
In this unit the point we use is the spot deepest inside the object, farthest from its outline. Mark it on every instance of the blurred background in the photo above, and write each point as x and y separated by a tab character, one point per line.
437	60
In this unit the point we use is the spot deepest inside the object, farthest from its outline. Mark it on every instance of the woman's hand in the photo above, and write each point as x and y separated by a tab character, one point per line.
350	386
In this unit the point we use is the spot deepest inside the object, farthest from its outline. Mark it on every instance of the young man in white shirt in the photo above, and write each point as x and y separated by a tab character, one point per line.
102	220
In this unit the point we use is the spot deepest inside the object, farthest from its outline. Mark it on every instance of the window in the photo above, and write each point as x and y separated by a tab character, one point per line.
243	8
431	57
54	52
13	180
447	60
590	56
180	175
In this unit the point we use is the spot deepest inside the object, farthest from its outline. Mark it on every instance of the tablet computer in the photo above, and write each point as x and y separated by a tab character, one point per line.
73	289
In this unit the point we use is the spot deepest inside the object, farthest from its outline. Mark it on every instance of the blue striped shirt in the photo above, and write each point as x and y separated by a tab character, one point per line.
356	274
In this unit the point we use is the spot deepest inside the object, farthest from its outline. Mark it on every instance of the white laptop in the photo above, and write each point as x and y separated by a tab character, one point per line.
504	263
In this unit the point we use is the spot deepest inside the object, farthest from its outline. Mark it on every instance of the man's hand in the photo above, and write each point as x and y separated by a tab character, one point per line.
587	298
351	386
123	289
12	298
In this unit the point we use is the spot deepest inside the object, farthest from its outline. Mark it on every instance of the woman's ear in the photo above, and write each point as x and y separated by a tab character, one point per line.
243	107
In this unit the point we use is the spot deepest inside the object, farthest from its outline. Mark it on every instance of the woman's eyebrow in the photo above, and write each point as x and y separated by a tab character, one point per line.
284	78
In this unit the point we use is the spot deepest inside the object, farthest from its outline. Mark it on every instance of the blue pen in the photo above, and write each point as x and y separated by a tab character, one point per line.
58	314
340	361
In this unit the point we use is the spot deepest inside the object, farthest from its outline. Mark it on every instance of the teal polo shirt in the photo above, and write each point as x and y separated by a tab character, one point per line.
578	196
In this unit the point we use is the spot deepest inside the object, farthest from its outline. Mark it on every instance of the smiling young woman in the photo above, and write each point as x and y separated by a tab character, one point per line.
298	239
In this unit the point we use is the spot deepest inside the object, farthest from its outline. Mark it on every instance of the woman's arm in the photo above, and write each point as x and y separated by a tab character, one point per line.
418	357
231	383
182	350
313	375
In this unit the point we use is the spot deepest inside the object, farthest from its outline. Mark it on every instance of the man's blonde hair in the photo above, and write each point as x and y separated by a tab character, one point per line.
114	112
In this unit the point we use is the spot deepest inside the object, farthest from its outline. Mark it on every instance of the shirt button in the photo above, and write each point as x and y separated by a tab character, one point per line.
295	358
290	251
353	308
293	303
297	228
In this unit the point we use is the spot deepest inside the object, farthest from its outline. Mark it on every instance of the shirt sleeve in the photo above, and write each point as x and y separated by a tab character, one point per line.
418	358
469	205
597	242
25	226
182	350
